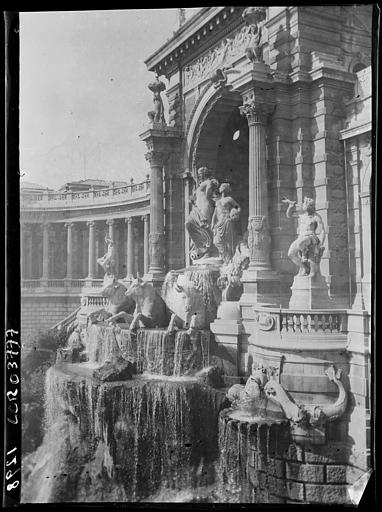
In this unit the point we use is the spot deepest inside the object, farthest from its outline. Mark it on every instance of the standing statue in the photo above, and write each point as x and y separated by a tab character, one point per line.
157	115
254	16
107	262
307	250
198	223
224	223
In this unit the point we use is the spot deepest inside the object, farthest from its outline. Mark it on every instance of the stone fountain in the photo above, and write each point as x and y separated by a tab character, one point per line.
147	396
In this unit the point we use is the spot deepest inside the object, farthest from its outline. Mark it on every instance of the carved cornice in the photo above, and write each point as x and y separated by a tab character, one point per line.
204	29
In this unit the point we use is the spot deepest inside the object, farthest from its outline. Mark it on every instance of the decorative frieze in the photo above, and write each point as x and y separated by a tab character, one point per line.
224	53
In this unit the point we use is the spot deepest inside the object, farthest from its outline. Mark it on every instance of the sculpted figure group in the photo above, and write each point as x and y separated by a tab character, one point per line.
213	222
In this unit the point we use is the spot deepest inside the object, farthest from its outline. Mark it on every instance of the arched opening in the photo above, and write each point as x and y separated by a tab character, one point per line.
222	145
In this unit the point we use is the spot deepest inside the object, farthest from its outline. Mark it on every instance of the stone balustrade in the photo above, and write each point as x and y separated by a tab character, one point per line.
303	323
317	329
111	195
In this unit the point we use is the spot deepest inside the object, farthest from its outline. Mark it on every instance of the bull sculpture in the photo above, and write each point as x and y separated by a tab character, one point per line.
184	302
150	308
119	306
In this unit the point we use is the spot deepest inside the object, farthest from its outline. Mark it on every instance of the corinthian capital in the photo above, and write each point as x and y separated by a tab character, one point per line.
157	158
255	112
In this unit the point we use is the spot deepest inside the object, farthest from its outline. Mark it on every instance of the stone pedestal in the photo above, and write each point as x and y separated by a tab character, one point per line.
310	293
227	330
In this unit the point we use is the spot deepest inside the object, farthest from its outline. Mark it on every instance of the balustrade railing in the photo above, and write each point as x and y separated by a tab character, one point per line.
70	197
59	283
302	323
30	283
97	301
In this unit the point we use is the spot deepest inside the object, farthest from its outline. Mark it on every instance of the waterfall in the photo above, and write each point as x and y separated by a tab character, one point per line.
155	351
177	354
248	448
101	344
123	441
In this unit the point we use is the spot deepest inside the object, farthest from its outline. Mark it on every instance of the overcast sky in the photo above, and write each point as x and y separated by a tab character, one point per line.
83	92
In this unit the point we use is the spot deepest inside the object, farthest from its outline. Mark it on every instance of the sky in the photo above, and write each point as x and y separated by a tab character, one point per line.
83	92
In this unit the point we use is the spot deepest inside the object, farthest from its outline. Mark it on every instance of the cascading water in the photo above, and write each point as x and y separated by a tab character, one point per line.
127	440
180	353
248	446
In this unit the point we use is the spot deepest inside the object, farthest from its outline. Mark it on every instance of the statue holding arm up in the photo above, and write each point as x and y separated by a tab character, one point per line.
306	251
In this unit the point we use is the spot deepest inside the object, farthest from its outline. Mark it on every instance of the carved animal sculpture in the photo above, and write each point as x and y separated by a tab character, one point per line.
275	392
250	396
150	309
119	305
311	413
185	303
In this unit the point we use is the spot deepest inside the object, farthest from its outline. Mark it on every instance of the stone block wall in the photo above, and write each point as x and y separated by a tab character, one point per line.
38	314
281	471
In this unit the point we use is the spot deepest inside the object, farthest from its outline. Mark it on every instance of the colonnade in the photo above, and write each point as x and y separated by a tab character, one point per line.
69	250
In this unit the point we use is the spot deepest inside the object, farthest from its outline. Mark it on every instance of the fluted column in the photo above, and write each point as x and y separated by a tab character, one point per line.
258	231
69	249
156	237
146	232
45	251
130	249
91	254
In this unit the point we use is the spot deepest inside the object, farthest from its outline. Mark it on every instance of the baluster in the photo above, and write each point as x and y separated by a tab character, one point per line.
323	322
284	322
298	324
302	323
295	323
309	323
290	323
316	323
330	323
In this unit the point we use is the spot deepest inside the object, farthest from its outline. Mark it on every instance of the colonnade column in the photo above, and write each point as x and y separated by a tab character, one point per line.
69	250
45	252
130	249
156	236
146	232
260	282
91	255
27	251
258	231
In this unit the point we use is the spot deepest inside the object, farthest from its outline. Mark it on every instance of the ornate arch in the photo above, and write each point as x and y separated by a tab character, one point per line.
212	102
